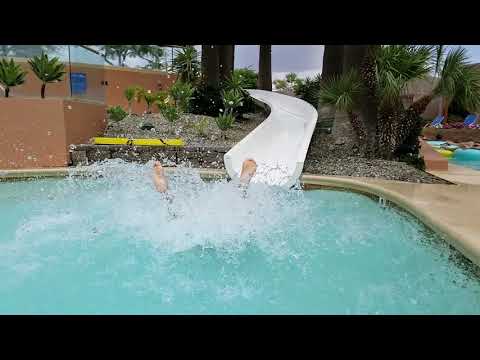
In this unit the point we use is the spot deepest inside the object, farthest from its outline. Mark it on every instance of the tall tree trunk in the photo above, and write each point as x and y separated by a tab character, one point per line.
227	57
204	61
362	58
42	91
332	60
210	58
264	81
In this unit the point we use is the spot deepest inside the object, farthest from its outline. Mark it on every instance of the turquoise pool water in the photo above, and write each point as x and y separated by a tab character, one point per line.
111	245
474	164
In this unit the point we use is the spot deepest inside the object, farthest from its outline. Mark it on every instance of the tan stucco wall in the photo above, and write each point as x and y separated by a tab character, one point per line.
35	133
117	80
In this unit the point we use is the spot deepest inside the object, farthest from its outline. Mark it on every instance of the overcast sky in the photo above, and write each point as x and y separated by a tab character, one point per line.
305	60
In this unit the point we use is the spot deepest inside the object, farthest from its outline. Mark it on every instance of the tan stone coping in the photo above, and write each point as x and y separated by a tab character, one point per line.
453	211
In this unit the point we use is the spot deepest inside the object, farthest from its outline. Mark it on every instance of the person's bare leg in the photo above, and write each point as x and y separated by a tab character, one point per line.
159	178
249	167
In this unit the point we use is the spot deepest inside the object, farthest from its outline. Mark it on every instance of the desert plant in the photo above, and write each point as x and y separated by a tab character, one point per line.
224	122
234	83
139	93
11	75
149	98
182	93
232	100
187	65
201	126
384	75
308	90
47	70
280	84
170	113
248	77
291	83
130	96
116	113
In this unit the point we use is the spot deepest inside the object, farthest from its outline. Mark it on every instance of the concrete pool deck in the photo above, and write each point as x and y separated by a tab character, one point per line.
452	211
458	175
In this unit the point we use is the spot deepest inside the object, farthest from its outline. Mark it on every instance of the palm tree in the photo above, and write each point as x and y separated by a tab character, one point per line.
332	60
265	68
186	64
226	61
381	80
11	74
210	66
130	93
120	52
47	70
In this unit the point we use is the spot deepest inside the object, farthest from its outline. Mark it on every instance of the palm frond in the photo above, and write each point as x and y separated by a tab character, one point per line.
439	57
11	74
47	70
396	66
452	73
341	91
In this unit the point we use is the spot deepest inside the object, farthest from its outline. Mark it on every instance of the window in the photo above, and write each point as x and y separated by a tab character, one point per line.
79	83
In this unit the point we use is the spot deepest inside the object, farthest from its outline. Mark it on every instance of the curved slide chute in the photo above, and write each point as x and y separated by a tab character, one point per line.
279	144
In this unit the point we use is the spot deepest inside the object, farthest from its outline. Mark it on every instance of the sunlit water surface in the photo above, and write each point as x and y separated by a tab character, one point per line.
110	244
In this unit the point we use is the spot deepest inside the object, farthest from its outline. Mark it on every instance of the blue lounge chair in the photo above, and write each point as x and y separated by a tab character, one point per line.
437	122
470	120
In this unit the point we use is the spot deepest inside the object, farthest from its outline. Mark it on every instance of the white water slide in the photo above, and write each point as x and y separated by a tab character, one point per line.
279	144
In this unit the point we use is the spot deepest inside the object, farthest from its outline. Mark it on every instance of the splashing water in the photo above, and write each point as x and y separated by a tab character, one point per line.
109	243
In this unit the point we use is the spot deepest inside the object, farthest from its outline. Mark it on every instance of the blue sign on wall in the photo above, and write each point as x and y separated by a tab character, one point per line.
79	83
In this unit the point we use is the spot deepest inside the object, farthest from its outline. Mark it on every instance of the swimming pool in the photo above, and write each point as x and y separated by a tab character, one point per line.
110	245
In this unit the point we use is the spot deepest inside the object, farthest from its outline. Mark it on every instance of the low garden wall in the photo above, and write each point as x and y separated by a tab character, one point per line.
36	133
456	135
195	156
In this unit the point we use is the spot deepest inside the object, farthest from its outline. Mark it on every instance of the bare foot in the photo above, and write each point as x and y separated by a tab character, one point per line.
249	167
159	178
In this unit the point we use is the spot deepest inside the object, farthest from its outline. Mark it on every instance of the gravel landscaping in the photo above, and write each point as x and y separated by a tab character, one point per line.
185	129
325	157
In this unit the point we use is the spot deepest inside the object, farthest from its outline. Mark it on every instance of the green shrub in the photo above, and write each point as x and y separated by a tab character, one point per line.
206	101
11	75
139	93
232	99
170	113
149	98
130	93
186	64
116	113
47	70
182	93
224	122
201	126
309	90
248	77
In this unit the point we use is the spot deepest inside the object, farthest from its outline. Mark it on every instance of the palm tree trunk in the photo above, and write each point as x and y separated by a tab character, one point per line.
332	60
445	104
210	65
265	68
361	57
226	60
42	91
204	61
